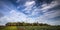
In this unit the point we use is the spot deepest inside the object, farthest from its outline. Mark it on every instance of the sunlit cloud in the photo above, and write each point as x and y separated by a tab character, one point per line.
27	11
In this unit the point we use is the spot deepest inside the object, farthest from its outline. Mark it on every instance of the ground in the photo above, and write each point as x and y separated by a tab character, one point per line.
30	28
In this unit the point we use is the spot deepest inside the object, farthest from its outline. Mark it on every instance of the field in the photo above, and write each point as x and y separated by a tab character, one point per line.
30	28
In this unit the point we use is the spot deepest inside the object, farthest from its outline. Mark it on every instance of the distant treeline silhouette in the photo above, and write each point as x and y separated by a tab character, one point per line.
25	24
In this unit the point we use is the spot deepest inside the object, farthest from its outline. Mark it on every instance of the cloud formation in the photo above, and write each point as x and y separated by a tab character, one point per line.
30	11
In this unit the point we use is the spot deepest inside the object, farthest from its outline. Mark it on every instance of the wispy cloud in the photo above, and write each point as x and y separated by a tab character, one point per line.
27	11
46	6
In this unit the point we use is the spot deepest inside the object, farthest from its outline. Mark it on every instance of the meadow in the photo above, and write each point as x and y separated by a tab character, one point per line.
30	28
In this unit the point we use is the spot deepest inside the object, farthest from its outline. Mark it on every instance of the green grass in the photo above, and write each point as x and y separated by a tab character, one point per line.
41	28
30	28
9	28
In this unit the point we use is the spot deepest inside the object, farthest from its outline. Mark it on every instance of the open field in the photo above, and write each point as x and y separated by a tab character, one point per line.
30	28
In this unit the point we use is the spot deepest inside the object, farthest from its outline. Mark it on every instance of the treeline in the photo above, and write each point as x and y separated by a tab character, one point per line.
25	24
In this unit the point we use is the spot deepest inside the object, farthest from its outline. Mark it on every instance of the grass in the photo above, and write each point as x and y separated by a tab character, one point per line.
9	28
30	28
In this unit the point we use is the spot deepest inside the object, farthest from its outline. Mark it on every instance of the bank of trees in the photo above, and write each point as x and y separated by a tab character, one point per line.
25	24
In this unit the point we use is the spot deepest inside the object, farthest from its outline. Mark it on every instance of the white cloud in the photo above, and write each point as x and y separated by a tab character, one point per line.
20	17
15	16
45	7
3	20
36	11
54	22
29	3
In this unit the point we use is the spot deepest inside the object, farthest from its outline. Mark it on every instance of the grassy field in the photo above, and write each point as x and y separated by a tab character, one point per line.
30	28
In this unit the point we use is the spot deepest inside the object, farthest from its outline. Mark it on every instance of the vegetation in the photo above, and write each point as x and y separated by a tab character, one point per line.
28	26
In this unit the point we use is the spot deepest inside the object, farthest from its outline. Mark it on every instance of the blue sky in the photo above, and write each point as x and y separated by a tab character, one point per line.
30	11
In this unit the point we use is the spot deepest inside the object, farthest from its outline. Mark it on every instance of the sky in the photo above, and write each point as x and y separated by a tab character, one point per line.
30	11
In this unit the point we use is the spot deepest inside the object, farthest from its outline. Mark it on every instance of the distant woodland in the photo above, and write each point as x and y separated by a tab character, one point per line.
25	24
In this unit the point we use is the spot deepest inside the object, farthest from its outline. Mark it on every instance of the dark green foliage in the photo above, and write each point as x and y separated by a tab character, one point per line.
26	24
